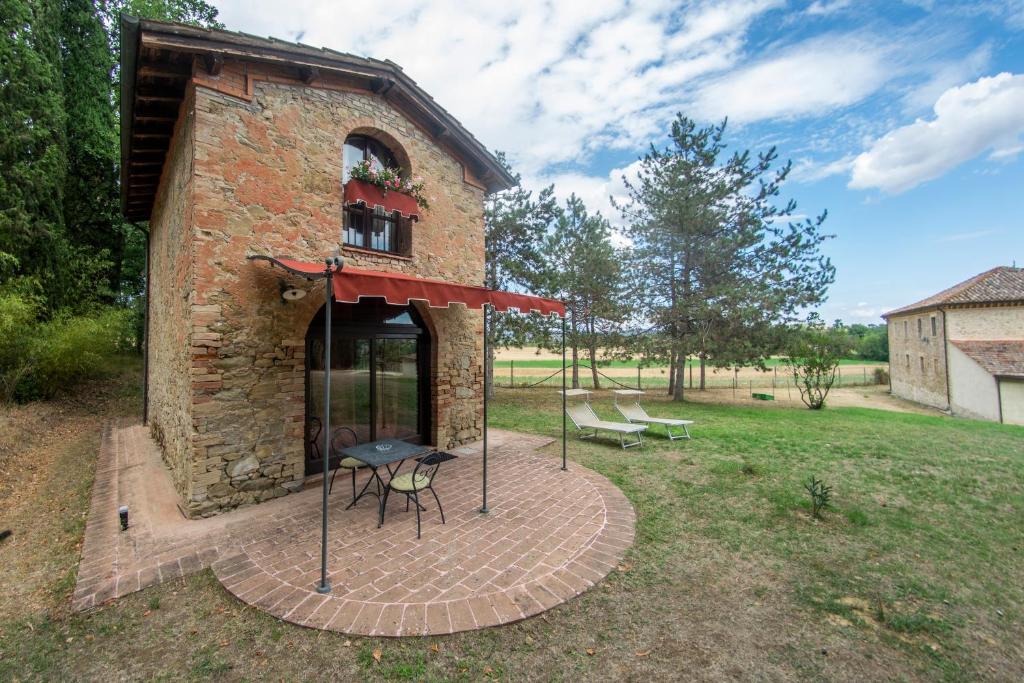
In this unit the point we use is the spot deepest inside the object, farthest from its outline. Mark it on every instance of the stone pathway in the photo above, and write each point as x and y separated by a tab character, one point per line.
549	536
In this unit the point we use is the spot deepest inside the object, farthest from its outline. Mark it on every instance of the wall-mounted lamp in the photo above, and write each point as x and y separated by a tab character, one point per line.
290	292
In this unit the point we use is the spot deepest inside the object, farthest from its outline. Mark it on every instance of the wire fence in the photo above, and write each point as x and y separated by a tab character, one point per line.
773	379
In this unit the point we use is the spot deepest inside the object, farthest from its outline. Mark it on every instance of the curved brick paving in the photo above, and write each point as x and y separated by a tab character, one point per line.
550	535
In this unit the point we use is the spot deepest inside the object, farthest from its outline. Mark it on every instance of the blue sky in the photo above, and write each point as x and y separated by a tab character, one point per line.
904	119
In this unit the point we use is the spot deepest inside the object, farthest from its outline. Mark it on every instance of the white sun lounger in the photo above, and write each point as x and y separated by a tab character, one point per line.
635	413
585	419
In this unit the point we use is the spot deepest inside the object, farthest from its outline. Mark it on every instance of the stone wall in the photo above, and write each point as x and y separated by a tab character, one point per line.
917	359
990	322
170	291
266	180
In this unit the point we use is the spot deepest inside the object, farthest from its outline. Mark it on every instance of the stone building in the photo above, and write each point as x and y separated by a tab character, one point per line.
962	350
234	147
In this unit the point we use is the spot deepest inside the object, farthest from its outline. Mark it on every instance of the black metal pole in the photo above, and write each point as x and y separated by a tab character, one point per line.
324	586
563	394
486	391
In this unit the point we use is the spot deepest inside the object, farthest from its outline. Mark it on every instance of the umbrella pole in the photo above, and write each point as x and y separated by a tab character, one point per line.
324	586
486	391
563	394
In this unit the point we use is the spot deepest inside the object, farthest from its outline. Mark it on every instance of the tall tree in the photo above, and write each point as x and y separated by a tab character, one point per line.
91	211
712	243
583	270
514	226
33	163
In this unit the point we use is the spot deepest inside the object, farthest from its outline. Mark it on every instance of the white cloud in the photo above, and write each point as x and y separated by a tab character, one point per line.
811	78
547	82
965	236
986	115
826	7
810	170
595	191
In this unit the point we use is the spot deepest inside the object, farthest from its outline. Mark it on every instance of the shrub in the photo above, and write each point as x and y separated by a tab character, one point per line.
821	496
813	354
69	350
881	376
18	312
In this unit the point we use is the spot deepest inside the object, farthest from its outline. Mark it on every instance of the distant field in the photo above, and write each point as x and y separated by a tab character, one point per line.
527	366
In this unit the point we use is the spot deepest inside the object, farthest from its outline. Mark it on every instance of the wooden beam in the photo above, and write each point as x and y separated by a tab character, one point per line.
308	74
157	119
151	135
214	63
162	72
140	164
158	98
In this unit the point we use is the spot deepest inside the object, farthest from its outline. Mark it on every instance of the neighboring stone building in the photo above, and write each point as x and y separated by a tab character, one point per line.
962	350
235	146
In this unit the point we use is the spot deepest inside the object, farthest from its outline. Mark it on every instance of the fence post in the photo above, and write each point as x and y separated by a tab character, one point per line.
775	377
512	373
865	376
840	368
750	386
638	388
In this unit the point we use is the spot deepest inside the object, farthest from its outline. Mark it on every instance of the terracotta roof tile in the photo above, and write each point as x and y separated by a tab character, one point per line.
1003	357
1002	284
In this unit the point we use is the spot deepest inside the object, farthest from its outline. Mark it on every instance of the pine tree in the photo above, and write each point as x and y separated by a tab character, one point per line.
32	146
716	259
91	210
584	271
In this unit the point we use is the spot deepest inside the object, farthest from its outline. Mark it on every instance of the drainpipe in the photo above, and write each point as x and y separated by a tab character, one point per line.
945	358
145	341
999	397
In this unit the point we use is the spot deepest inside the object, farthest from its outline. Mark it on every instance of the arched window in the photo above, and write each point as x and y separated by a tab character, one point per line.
373	228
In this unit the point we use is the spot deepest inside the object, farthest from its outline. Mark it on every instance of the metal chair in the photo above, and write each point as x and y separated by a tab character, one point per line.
420	479
313	437
344	437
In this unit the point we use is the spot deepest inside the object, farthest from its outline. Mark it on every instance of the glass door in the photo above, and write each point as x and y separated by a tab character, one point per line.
396	377
379	376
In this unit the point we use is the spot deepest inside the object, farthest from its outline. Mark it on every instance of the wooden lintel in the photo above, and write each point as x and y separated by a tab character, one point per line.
151	135
157	98
161	72
157	119
214	63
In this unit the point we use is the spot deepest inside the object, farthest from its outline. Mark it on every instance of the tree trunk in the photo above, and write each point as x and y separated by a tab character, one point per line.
703	360
680	381
593	366
575	348
671	372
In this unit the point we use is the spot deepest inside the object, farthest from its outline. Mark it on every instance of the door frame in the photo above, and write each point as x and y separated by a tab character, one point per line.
418	331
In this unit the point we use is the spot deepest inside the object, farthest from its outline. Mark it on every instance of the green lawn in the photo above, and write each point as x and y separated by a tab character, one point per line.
916	574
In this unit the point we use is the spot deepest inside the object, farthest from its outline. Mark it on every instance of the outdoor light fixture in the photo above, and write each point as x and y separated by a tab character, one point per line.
290	293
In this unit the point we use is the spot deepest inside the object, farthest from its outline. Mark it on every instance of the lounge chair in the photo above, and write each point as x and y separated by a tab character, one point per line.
636	414
584	417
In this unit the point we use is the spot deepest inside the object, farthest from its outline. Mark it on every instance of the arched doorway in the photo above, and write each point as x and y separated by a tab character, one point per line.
380	375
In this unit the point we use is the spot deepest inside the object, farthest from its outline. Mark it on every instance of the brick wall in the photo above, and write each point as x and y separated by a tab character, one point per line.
170	290
917	360
267	167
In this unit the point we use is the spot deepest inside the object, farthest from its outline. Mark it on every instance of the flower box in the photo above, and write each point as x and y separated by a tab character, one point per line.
368	194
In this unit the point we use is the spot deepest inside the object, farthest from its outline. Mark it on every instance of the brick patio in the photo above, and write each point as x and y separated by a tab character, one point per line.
550	535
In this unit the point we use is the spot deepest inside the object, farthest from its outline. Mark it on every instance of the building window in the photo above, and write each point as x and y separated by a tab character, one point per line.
920	332
905	332
922	363
372	227
935	365
908	360
934	327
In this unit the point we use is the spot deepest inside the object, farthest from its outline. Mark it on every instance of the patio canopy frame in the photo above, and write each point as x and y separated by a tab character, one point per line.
351	285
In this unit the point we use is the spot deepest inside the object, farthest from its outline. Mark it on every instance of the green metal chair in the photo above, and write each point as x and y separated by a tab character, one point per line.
410	484
344	437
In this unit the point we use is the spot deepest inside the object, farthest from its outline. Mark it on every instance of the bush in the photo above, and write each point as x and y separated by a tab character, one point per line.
18	313
881	376
69	350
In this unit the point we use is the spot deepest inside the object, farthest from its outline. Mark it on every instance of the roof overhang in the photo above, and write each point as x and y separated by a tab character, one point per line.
156	67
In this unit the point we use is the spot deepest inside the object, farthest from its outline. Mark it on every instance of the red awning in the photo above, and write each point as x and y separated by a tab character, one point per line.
351	284
359	192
